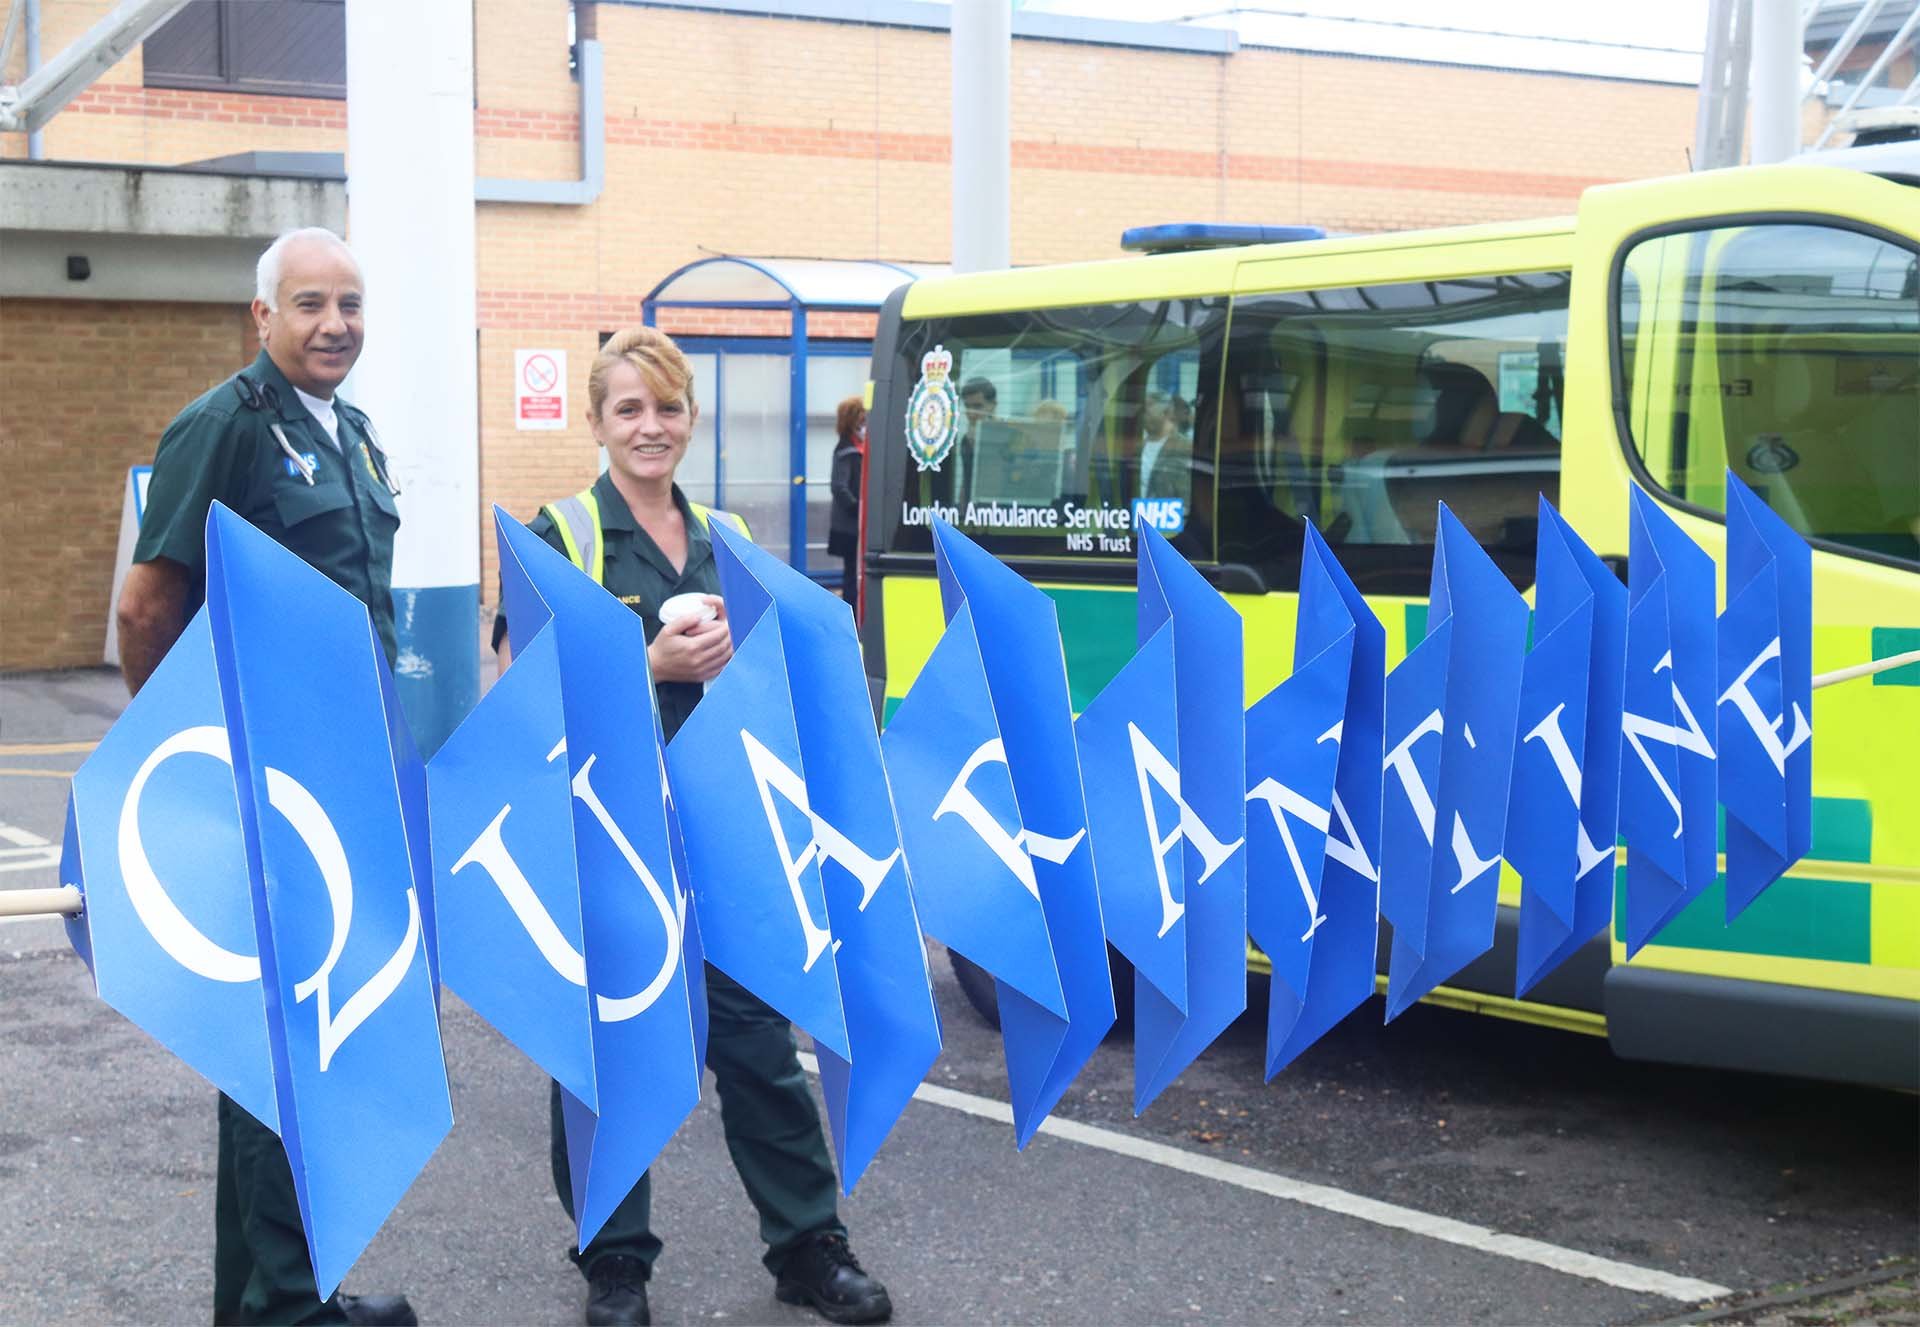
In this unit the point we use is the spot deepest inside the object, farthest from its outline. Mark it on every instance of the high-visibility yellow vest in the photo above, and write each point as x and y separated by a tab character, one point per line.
578	520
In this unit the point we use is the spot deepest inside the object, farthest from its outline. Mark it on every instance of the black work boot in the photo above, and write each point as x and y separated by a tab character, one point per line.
823	1275
377	1310
617	1292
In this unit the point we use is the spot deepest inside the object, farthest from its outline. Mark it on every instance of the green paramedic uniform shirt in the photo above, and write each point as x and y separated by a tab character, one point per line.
638	574
219	448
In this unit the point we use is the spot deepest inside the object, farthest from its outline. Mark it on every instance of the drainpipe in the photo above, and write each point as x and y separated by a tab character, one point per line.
36	140
593	144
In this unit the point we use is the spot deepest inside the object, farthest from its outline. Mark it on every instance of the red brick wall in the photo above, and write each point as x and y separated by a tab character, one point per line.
738	134
85	390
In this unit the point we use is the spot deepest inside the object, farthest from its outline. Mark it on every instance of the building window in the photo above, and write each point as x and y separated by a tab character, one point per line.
291	48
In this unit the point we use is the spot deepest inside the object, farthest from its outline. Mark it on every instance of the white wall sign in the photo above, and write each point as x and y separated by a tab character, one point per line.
539	389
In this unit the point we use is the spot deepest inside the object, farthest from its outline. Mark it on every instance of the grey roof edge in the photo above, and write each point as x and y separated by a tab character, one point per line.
119	199
1178	37
191	168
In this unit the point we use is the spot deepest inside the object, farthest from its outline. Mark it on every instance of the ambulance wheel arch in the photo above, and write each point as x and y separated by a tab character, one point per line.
977	984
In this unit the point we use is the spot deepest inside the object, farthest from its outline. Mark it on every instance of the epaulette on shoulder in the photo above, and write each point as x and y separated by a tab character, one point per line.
245	391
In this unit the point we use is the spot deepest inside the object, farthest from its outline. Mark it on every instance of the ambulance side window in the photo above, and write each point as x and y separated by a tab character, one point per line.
1048	433
1789	354
1361	409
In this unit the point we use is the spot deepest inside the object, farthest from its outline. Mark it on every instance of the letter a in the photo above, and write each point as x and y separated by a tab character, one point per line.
1150	767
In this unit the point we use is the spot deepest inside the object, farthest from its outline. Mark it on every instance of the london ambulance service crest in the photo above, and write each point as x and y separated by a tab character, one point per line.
933	411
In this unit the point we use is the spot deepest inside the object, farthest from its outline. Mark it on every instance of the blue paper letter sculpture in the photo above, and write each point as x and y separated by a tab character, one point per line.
1162	758
1313	826
250	840
1766	697
1566	772
561	920
792	852
1452	706
1668	729
986	780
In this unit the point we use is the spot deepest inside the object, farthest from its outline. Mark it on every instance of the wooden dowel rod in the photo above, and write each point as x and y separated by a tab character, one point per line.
61	902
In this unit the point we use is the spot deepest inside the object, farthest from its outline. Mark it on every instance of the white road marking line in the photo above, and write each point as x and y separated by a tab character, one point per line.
48	856
26	838
1572	1262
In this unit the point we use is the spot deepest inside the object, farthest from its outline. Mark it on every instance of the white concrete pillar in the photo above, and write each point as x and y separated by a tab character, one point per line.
1777	58
982	149
410	220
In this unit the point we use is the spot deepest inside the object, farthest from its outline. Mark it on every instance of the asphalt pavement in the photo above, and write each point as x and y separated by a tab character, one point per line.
106	1165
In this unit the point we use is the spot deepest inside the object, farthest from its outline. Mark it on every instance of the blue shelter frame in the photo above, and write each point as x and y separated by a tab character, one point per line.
799	287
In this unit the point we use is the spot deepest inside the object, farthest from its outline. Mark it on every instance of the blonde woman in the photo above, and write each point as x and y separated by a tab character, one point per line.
646	543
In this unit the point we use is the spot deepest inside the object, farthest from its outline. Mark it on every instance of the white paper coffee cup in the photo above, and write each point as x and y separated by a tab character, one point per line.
687	605
694	606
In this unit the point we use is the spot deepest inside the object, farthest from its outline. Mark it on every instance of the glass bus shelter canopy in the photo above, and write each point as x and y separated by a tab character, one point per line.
782	283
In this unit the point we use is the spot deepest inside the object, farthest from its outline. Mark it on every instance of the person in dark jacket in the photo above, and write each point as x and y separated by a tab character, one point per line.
849	471
277	444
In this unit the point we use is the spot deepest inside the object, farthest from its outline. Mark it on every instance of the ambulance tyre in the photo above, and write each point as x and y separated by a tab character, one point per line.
979	988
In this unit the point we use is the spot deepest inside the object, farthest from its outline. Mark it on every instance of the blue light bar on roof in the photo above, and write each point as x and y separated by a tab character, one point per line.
1179	236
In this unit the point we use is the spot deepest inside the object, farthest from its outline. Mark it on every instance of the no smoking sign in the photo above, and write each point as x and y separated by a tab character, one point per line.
539	389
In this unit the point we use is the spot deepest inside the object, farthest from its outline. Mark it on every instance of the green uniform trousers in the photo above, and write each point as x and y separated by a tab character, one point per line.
261	1273
772	1129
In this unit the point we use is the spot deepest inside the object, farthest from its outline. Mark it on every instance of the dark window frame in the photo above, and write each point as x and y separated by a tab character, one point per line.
229	76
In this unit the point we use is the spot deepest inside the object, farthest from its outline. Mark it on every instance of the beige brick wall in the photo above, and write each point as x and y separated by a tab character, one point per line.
68	432
750	135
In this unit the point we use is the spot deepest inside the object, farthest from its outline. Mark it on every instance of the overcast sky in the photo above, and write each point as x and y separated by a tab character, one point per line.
1657	39
1678	25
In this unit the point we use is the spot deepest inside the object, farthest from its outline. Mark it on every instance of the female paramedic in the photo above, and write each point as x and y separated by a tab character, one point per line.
637	534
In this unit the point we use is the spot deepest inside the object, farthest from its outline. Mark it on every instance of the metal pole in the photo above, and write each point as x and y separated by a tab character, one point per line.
982	155
48	87
410	213
1721	118
797	439
1872	76
1848	40
1710	112
1777	58
16	10
36	140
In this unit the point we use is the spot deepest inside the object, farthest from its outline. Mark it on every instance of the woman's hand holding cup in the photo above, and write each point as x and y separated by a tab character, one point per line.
694	643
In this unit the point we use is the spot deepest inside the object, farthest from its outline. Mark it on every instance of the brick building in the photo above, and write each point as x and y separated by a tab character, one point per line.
813	128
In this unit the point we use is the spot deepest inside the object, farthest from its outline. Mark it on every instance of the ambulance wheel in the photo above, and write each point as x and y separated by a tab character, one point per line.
978	986
1122	994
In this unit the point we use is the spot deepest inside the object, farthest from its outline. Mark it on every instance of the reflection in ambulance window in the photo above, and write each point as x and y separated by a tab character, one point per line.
1361	410
1789	354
